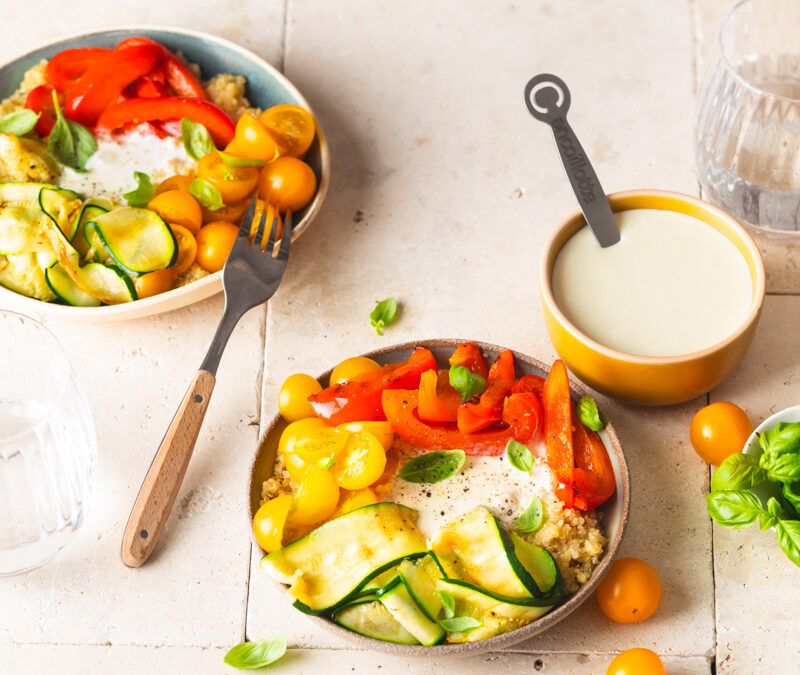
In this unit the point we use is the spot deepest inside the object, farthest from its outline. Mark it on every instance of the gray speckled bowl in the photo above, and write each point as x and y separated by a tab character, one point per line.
614	521
266	87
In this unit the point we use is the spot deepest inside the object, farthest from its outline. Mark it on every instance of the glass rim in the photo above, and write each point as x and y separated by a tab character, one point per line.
724	26
53	404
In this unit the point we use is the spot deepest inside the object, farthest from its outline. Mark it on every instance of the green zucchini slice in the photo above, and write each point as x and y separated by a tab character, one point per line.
23	274
332	563
107	283
420	577
88	212
138	240
22	229
372	619
65	287
401	605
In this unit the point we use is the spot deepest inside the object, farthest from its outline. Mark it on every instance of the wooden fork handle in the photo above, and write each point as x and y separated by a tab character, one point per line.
163	481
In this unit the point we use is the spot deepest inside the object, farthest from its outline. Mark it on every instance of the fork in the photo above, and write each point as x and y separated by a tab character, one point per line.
250	277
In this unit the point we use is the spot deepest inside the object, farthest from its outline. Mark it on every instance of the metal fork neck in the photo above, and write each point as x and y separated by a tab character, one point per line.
230	317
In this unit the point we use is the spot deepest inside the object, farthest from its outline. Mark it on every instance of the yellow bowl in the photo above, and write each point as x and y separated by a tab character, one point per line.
651	380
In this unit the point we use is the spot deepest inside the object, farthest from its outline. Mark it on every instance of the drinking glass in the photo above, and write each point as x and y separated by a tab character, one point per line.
48	447
747	124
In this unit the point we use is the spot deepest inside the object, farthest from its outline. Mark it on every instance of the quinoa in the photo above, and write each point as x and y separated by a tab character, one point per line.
194	273
228	92
32	78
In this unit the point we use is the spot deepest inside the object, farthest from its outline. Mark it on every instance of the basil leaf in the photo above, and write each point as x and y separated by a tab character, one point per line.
791	493
734	509
19	122
788	532
782	468
326	462
433	467
448	604
589	414
738	472
459	624
205	193
244	162
69	142
144	192
85	144
254	655
519	456
196	139
766	521
384	314
532	519
783	437
466	383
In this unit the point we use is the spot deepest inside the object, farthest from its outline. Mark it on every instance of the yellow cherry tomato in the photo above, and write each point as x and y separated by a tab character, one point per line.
349	501
153	283
298	430
719	430
639	661
316	497
362	462
272	215
291	126
381	430
179	207
252	139
214	244
630	591
321	444
176	182
187	248
233	183
288	183
269	522
293	396
231	213
351	367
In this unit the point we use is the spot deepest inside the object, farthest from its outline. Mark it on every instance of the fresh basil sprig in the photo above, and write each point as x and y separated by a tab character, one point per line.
196	139
781	468
519	456
466	383
734	509
255	655
589	414
791	493
205	193
783	437
70	143
448	604
459	624
144	192
19	122
244	162
788	533
384	314
533	518
738	472
433	467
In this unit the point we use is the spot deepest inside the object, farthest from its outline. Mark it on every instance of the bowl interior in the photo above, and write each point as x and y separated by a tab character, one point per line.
615	510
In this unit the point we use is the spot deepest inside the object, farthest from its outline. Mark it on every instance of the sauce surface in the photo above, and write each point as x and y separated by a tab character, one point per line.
673	284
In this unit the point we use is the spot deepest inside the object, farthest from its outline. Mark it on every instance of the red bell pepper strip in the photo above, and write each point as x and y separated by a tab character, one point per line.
528	384
468	354
438	401
473	417
64	69
105	80
359	398
146	87
593	475
558	431
523	413
179	77
138	110
400	405
40	100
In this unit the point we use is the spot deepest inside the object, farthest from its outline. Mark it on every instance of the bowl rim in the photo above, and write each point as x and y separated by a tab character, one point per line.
208	285
550	255
504	639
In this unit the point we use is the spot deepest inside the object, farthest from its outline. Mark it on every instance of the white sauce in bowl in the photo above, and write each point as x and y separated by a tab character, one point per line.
673	285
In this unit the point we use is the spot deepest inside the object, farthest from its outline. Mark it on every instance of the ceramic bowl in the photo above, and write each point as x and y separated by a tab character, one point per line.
614	521
650	380
266	87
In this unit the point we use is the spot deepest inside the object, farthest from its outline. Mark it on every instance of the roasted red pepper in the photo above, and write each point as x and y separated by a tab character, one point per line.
468	354
438	401
593	475
104	81
400	406
178	76
359	398
64	68
558	431
523	413
473	417
528	384
138	110
40	100
146	87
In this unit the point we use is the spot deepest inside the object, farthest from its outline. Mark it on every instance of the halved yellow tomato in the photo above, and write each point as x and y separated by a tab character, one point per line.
252	140
321	444
153	283
381	430
269	522
351	500
299	429
179	207
316	497
234	183
361	463
176	182
291	126
187	248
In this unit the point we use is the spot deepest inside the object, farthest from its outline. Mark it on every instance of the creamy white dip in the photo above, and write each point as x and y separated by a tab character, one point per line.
672	285
109	171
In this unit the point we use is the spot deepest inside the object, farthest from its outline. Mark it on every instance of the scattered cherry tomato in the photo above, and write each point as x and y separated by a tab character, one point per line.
154	283
321	443
362	462
269	522
719	430
293	396
381	430
639	661
630	591
287	182
179	207
176	182
316	497
234	183
187	248
351	367
252	140
297	430
292	128
214	244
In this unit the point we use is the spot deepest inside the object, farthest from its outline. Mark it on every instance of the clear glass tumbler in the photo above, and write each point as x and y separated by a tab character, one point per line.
48	446
747	125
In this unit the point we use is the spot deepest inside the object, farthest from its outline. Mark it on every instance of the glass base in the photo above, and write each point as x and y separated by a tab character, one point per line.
29	556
